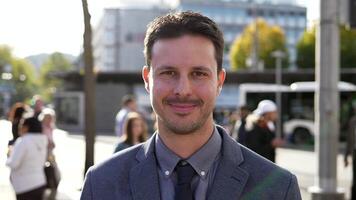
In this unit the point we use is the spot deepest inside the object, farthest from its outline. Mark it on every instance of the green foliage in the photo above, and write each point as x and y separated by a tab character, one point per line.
5	56
347	47
23	79
306	48
55	63
270	38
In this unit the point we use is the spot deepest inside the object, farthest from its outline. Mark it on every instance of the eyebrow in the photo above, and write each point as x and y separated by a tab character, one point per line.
195	68
201	68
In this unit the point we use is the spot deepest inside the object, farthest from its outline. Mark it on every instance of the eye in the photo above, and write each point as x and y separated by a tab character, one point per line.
199	74
168	73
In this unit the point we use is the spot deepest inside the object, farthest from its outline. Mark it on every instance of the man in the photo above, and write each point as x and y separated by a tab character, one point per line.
37	104
260	130
128	105
351	151
188	157
239	131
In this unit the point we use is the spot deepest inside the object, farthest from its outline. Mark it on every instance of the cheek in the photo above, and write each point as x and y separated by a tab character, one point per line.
160	87
137	130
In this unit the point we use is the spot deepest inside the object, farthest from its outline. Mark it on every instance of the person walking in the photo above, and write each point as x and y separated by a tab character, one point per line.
15	116
48	120
189	156
135	131
128	105
239	130
27	159
260	135
351	151
37	104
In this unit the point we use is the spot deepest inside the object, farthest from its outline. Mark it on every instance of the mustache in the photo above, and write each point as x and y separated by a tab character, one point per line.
182	101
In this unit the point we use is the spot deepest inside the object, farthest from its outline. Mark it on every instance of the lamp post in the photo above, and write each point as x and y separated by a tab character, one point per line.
327	60
279	55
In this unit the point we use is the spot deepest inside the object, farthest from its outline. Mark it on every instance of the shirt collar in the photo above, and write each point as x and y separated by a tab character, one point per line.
201	161
167	159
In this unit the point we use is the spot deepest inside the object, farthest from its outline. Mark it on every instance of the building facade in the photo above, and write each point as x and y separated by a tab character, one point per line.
118	38
234	15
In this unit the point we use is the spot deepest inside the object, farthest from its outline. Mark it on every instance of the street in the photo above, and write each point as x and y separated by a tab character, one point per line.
70	151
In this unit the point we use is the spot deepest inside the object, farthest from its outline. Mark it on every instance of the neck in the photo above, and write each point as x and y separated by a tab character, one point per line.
186	145
135	141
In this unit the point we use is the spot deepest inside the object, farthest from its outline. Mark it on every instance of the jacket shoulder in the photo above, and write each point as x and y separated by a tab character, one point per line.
119	162
266	178
110	177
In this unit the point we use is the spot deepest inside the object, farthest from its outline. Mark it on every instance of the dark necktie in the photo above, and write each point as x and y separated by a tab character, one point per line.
185	174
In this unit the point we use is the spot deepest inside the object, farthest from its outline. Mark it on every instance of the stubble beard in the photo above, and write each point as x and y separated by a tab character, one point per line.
176	128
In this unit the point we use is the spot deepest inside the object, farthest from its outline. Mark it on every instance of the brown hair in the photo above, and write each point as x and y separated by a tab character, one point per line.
16	112
174	25
131	117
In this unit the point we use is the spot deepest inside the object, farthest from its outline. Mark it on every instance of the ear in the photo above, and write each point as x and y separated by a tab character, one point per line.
145	77
221	79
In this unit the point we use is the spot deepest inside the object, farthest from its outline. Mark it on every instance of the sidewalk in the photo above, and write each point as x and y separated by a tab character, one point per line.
70	155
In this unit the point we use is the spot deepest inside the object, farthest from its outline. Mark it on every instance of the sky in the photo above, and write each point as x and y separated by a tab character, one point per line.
32	27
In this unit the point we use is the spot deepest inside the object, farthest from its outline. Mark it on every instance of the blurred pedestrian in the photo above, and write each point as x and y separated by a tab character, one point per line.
135	129
239	131
27	159
48	118
351	151
128	105
15	116
260	130
37	104
189	156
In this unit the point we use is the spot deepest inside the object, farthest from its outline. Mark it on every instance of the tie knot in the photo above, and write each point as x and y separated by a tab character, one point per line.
185	172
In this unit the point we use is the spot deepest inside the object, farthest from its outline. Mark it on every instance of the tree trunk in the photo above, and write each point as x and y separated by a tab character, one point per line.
89	90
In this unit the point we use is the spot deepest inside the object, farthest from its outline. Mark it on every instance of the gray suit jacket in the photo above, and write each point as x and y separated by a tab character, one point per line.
241	174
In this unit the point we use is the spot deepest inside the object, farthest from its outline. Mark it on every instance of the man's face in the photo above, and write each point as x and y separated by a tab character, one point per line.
183	83
271	116
38	105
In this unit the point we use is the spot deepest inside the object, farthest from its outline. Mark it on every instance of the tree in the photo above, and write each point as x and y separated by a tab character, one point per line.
270	38
56	62
89	89
5	57
23	80
306	48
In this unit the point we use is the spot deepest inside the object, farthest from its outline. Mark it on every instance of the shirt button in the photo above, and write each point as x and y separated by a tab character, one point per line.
202	173
166	173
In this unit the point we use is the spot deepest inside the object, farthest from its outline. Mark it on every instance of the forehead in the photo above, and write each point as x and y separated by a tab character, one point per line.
186	50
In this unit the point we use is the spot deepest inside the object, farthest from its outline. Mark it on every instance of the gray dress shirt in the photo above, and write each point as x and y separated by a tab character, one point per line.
204	162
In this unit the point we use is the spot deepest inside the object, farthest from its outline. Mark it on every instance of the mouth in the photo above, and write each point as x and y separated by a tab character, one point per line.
183	107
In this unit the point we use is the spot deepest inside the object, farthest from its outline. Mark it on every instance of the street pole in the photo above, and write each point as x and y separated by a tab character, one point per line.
327	103
279	55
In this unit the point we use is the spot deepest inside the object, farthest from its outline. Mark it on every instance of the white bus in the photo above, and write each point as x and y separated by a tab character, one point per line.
298	106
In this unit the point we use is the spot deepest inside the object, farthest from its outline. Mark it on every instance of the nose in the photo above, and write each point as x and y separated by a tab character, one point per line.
183	87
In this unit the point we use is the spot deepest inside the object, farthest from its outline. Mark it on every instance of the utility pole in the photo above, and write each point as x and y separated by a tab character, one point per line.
279	55
89	90
327	103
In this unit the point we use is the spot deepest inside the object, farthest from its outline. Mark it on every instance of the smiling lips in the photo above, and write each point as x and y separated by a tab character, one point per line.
183	107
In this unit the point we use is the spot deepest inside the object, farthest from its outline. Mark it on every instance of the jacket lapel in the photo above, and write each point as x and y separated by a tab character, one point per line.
143	177
230	179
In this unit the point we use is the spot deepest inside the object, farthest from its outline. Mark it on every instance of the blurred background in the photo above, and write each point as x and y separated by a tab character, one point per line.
269	50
